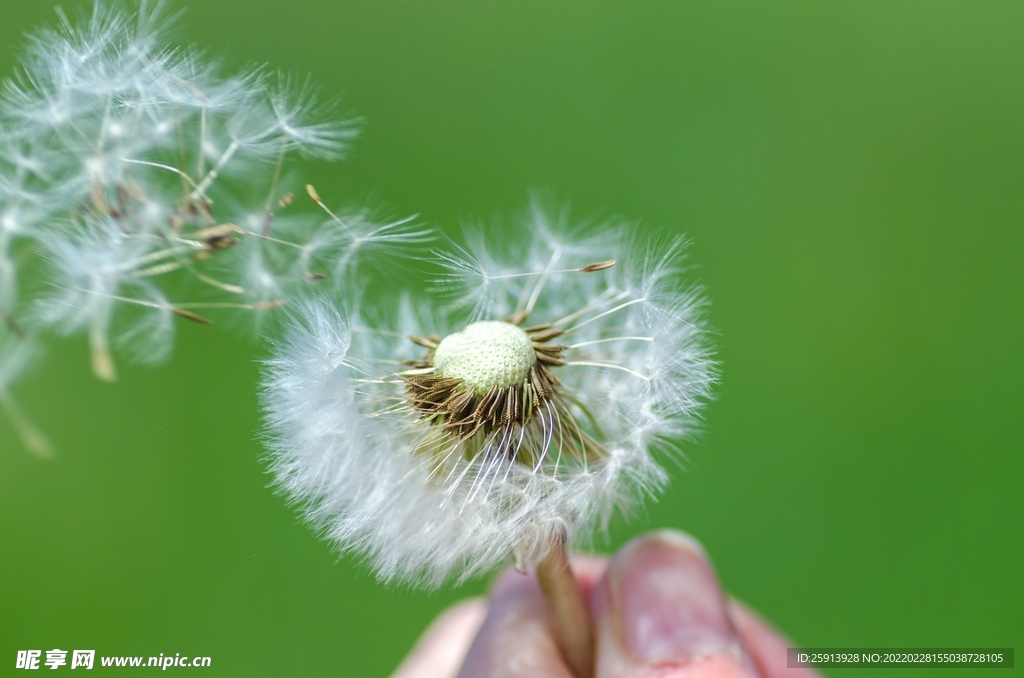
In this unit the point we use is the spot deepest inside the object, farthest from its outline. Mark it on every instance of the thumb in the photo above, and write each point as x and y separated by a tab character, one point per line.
659	611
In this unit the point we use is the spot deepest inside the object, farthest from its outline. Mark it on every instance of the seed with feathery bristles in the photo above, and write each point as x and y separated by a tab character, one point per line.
119	159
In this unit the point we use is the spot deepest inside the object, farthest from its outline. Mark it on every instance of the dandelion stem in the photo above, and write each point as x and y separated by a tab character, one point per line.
568	610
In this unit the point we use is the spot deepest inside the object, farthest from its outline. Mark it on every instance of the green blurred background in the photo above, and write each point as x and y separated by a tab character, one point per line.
851	176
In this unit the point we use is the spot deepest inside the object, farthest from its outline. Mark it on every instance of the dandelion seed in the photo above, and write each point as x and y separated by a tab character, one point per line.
94	269
295	106
122	162
354	236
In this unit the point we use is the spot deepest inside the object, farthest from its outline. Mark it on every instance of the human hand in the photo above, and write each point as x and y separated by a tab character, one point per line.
657	609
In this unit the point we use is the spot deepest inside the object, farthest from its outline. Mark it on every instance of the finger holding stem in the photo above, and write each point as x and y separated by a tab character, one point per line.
569	612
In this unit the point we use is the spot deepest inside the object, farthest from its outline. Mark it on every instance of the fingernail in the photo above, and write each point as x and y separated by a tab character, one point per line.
669	602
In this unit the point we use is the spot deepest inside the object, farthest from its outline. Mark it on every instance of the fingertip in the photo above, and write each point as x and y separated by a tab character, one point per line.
659	610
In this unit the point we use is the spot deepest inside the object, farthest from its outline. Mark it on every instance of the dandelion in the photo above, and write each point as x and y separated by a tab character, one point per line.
127	161
446	438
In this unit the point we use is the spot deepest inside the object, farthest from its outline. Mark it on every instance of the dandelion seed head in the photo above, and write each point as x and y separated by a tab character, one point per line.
439	442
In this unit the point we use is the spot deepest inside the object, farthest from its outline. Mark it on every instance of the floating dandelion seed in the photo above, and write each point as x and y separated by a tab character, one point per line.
439	445
123	160
127	162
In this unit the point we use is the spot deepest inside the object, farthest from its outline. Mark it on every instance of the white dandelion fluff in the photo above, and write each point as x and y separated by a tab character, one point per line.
126	161
439	444
95	267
